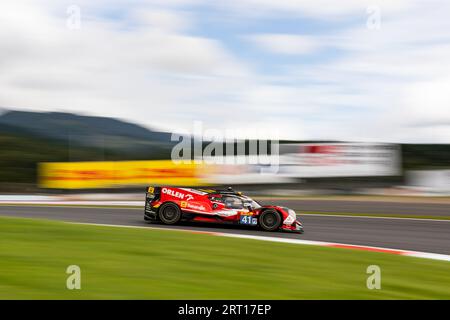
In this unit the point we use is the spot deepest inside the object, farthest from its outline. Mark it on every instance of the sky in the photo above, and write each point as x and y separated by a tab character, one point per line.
351	70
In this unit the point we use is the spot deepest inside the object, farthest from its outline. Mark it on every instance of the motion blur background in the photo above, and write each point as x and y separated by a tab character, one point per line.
354	93
360	103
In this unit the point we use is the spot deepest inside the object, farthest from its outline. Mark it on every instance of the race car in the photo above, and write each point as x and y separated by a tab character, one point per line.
171	205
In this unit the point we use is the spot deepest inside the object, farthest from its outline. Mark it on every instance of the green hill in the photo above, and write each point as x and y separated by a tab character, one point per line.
21	151
89	131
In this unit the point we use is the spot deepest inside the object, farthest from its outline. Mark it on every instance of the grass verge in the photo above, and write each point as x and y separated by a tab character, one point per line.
123	263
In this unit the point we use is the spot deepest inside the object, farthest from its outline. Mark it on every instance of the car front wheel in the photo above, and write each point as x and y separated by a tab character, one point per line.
270	220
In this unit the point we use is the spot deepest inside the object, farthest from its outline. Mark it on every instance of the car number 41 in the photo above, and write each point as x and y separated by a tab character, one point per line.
248	220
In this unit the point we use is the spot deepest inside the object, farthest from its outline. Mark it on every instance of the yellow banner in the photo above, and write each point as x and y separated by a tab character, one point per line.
108	174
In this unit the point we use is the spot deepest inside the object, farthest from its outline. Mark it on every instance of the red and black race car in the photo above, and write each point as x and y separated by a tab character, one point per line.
173	204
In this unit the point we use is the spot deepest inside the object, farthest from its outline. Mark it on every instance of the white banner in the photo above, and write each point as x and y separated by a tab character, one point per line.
339	160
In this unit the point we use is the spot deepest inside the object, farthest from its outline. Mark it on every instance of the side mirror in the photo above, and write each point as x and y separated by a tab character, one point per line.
248	206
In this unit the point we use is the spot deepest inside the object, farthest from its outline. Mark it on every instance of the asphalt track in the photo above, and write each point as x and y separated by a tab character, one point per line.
367	207
407	234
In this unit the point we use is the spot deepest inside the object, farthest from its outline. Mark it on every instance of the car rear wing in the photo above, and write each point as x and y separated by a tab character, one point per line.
152	193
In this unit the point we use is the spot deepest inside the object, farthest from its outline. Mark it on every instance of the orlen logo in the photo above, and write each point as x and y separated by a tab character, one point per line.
177	194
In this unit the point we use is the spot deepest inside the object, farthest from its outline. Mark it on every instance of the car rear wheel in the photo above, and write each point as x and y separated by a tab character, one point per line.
169	213
270	220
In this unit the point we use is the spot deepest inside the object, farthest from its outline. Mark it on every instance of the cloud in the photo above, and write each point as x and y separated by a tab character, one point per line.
162	19
155	63
284	43
428	103
148	72
320	9
389	84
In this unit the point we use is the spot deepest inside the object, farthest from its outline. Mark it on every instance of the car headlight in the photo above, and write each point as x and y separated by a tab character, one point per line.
291	217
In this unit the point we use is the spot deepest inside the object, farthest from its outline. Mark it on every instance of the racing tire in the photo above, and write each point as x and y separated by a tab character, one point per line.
270	220
169	213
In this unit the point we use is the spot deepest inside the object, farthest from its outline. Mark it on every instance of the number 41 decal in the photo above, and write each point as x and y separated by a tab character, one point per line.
248	220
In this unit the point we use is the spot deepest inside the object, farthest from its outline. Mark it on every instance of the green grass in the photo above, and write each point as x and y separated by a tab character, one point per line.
125	263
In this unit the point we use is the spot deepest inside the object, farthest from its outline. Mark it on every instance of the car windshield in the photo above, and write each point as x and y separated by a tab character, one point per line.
233	202
252	203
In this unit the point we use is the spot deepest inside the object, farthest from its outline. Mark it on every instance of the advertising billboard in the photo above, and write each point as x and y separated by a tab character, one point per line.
107	174
322	160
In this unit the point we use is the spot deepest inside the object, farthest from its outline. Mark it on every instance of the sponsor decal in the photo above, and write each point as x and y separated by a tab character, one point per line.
177	194
196	207
199	192
245	219
188	205
227	212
